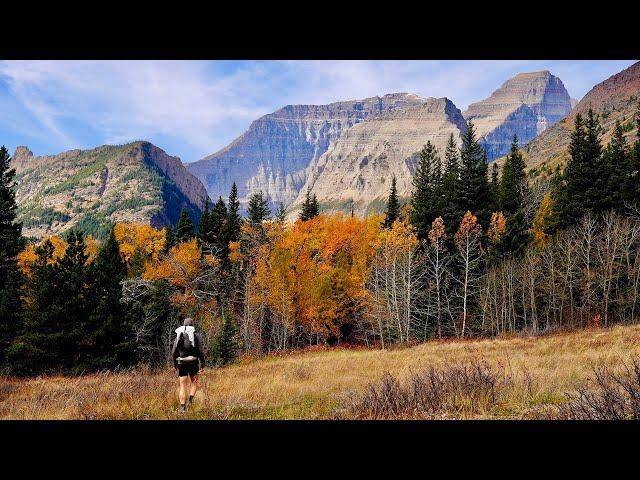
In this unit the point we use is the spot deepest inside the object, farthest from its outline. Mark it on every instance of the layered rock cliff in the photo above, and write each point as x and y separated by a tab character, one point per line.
616	98
274	153
525	105
91	189
357	169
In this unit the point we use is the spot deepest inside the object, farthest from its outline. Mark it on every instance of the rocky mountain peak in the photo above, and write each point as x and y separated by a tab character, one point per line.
525	105
273	155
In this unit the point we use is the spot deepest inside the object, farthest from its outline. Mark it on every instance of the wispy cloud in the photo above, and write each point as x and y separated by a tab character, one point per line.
194	108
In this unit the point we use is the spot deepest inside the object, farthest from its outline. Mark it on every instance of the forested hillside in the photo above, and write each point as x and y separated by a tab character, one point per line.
473	253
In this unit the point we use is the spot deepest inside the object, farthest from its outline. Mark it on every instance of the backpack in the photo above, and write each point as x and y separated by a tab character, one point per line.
186	342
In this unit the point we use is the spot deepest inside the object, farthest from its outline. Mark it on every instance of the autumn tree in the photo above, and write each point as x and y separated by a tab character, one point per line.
469	255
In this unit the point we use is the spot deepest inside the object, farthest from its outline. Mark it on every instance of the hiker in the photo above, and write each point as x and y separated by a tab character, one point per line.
188	358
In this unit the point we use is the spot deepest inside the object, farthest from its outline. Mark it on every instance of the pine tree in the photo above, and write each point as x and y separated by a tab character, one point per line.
495	188
258	210
281	215
184	230
451	212
206	235
618	170
110	342
310	207
513	184
225	347
633	186
218	218
583	185
512	194
423	211
393	205
231	229
11	243
475	191
55	330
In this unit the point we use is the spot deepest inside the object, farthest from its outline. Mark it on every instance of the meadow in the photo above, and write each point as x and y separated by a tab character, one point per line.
530	379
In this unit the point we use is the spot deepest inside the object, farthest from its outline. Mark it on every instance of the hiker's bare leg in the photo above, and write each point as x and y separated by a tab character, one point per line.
194	385
184	385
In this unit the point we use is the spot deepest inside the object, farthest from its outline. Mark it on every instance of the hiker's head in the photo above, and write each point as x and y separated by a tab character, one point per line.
188	322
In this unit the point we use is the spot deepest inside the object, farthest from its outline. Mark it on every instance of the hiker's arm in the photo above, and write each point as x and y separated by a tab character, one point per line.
174	352
199	349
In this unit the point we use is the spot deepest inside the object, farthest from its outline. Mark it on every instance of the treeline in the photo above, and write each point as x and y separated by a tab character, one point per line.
472	253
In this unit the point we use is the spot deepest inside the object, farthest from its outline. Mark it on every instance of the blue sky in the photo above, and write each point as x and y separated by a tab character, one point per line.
194	108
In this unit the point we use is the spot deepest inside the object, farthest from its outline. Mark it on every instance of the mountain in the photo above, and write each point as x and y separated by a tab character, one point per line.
357	169
137	182
525	105
615	98
274	153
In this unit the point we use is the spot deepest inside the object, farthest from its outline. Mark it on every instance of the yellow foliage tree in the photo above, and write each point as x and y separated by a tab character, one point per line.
541	221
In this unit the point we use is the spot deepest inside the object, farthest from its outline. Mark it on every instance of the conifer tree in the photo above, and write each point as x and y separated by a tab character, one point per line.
184	230
218	218
225	347
475	191
583	183
310	207
617	170
11	243
281	215
56	319
206	234
512	194
258	210
513	184
451	211
495	188
110	342
393	205
231	229
423	211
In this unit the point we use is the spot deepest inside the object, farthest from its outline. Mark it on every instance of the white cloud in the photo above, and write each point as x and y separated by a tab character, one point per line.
195	108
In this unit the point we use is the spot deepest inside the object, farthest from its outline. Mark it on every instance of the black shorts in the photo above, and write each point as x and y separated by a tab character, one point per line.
190	369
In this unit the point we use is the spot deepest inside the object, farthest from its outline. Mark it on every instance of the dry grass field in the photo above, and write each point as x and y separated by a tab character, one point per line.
322	384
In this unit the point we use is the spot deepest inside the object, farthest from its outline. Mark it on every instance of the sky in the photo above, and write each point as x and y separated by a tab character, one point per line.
194	108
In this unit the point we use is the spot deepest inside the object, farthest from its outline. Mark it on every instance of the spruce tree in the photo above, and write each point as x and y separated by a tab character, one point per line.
618	170
583	186
258	210
393	205
281	215
310	207
475	191
110	341
225	348
512	195
218	218
56	330
451	211
206	234
11	243
513	184
633	186
495	188
231	229
184	230
423	211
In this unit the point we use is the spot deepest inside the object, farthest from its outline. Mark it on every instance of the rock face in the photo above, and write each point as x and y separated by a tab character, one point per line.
274	153
357	169
90	189
525	105
614	99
